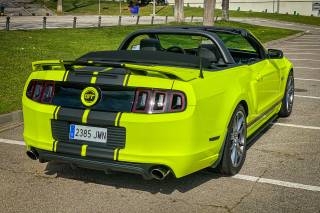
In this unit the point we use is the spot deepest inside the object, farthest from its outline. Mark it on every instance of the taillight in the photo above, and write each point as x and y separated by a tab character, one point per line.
158	101
41	91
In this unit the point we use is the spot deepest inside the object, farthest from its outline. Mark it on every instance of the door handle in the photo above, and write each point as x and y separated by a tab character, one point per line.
259	77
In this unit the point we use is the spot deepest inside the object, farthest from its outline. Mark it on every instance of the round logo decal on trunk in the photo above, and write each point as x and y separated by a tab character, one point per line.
89	96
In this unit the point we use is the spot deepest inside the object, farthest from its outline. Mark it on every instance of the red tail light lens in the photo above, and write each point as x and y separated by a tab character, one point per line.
158	101
41	91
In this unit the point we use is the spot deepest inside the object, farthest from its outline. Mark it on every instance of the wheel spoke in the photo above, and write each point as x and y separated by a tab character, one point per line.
234	156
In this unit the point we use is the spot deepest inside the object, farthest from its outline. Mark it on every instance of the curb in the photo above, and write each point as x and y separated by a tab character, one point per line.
284	39
12	117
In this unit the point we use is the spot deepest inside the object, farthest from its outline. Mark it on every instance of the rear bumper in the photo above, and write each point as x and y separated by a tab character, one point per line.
179	141
98	164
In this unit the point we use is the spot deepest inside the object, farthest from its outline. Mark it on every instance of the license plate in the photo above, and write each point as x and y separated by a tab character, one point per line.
88	133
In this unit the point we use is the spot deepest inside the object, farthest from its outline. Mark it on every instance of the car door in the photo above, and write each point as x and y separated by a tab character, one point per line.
267	77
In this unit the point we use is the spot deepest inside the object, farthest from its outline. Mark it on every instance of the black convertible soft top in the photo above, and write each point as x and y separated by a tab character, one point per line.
144	57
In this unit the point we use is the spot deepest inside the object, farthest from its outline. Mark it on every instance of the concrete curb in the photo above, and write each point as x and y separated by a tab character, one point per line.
284	39
12	117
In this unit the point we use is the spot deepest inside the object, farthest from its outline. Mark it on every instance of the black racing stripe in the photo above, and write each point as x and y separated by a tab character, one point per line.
127	81
54	113
79	77
69	114
117	154
110	79
101	118
53	144
97	152
118	121
74	149
121	71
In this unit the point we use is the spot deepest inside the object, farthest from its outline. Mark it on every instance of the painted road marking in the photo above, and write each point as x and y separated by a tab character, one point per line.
299	49
311	68
238	176
297	126
306	96
21	143
306	79
297	53
303	59
277	182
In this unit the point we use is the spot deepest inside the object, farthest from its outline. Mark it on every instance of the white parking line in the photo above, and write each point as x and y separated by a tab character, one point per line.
238	176
21	143
277	182
299	49
303	59
310	68
297	53
306	96
306	79
297	126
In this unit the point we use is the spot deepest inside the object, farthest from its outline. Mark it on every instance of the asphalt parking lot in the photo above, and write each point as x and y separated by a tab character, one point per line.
281	172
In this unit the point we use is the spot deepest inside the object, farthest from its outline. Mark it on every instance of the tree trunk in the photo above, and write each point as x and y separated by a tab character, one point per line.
178	10
208	14
59	7
225	10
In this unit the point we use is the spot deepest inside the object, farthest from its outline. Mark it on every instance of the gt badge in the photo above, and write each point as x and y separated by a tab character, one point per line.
89	96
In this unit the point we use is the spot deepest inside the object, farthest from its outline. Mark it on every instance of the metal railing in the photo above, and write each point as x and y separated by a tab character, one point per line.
38	22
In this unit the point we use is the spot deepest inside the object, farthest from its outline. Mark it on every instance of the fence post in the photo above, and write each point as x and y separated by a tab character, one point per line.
191	18
119	21
138	18
8	23
152	20
166	19
74	22
44	25
99	21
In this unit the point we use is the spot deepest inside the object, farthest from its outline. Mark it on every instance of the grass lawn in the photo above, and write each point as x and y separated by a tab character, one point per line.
90	7
20	48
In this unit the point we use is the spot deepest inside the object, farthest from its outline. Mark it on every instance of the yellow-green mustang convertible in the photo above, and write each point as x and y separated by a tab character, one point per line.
169	100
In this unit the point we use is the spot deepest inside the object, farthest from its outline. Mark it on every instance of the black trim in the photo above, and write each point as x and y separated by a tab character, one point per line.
103	165
263	114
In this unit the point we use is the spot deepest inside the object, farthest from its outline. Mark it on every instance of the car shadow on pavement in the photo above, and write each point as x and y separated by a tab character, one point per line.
131	181
136	182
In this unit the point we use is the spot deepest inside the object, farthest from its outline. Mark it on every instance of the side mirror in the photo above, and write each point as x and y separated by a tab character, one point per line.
275	54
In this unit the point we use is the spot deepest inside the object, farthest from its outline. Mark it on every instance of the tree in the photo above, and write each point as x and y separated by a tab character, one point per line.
59	7
225	10
178	10
208	14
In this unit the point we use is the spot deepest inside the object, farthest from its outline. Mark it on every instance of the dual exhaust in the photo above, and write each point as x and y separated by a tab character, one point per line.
158	173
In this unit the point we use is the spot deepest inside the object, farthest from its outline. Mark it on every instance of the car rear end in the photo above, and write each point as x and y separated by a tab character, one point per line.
139	123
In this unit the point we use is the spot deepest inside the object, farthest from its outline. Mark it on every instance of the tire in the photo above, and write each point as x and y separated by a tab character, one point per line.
235	148
288	98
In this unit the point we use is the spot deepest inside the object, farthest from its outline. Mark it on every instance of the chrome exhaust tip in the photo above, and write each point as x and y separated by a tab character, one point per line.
159	173
32	154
